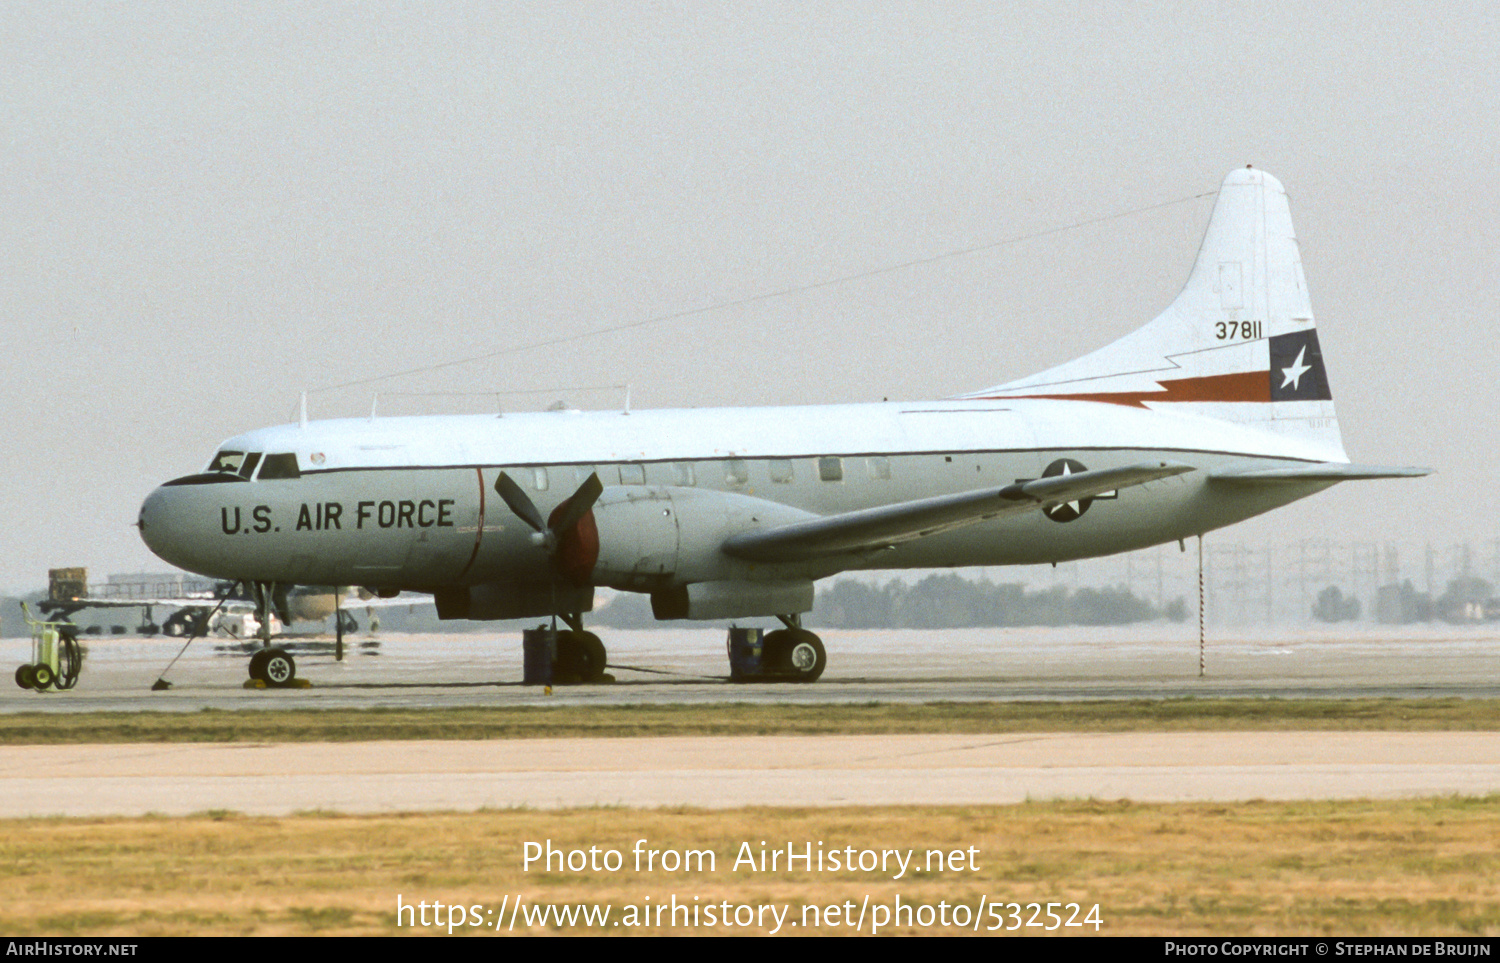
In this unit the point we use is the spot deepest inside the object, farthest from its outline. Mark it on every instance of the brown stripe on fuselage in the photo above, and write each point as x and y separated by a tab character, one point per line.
1246	386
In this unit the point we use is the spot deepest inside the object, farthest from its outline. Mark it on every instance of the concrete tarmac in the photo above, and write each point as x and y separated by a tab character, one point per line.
688	666
176	779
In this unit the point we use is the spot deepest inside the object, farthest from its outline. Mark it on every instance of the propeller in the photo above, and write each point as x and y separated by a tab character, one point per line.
569	534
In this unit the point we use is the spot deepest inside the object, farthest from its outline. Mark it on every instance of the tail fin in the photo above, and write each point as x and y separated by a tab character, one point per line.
1238	344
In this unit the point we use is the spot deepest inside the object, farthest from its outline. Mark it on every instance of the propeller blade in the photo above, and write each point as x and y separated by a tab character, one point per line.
519	502
578	504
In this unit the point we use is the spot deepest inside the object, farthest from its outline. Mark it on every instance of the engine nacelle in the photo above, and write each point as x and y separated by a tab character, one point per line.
653	538
732	600
511	601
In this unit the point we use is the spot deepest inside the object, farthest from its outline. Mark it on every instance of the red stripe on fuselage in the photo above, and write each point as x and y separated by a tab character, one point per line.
479	529
1247	386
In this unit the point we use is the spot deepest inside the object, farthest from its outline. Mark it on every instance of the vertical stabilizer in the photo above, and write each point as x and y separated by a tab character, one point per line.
1238	344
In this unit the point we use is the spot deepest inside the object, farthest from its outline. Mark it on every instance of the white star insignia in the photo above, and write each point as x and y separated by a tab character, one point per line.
1296	371
1068	470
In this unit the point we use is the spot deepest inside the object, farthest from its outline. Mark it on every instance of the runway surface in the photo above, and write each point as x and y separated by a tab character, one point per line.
756	771
688	666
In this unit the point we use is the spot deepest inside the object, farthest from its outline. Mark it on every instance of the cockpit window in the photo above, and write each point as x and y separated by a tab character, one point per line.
247	470
227	461
280	466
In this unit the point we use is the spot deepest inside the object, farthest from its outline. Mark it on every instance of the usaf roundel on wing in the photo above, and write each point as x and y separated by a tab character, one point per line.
1066	511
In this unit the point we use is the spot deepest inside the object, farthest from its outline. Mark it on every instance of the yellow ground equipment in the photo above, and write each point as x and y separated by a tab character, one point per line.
56	657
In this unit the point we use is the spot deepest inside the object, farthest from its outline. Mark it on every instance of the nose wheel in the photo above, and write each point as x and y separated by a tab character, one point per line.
273	667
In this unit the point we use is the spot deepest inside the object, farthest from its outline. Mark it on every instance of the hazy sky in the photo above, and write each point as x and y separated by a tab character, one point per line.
206	209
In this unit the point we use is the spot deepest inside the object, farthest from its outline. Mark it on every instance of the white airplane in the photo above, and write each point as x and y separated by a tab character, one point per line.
1216	411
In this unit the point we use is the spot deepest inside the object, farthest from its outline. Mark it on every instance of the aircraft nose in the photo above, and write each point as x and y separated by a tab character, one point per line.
161	527
150	520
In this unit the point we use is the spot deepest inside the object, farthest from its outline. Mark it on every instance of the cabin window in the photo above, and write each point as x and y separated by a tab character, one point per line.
780	470
247	469
831	469
683	474
280	466
632	474
539	479
227	461
880	467
736	472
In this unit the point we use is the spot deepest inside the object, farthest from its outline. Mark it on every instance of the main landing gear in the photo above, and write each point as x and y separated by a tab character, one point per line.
567	656
792	654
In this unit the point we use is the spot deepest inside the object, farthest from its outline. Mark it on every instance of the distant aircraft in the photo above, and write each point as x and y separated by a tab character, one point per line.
1216	411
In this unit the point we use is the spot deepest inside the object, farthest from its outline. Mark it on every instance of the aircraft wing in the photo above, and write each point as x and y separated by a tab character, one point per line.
115	602
872	529
1326	471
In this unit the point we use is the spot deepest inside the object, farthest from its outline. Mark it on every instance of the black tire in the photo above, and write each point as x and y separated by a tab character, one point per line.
773	649
807	658
594	657
24	678
570	664
796	655
258	665
280	668
42	676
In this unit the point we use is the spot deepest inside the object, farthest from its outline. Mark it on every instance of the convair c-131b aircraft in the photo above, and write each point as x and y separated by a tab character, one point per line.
1216	411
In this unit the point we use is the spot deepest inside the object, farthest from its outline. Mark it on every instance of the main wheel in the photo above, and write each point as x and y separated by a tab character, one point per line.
595	658
807	658
280	667
793	654
580	658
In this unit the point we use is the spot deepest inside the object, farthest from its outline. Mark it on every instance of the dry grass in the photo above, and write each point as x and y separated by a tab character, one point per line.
352	725
1428	867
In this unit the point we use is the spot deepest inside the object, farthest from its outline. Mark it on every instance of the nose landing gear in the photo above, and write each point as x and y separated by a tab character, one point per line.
271	666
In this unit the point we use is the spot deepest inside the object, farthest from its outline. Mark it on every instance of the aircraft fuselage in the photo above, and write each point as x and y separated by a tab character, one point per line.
411	502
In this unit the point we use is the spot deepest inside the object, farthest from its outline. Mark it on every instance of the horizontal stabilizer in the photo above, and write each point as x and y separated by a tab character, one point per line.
872	529
1326	471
